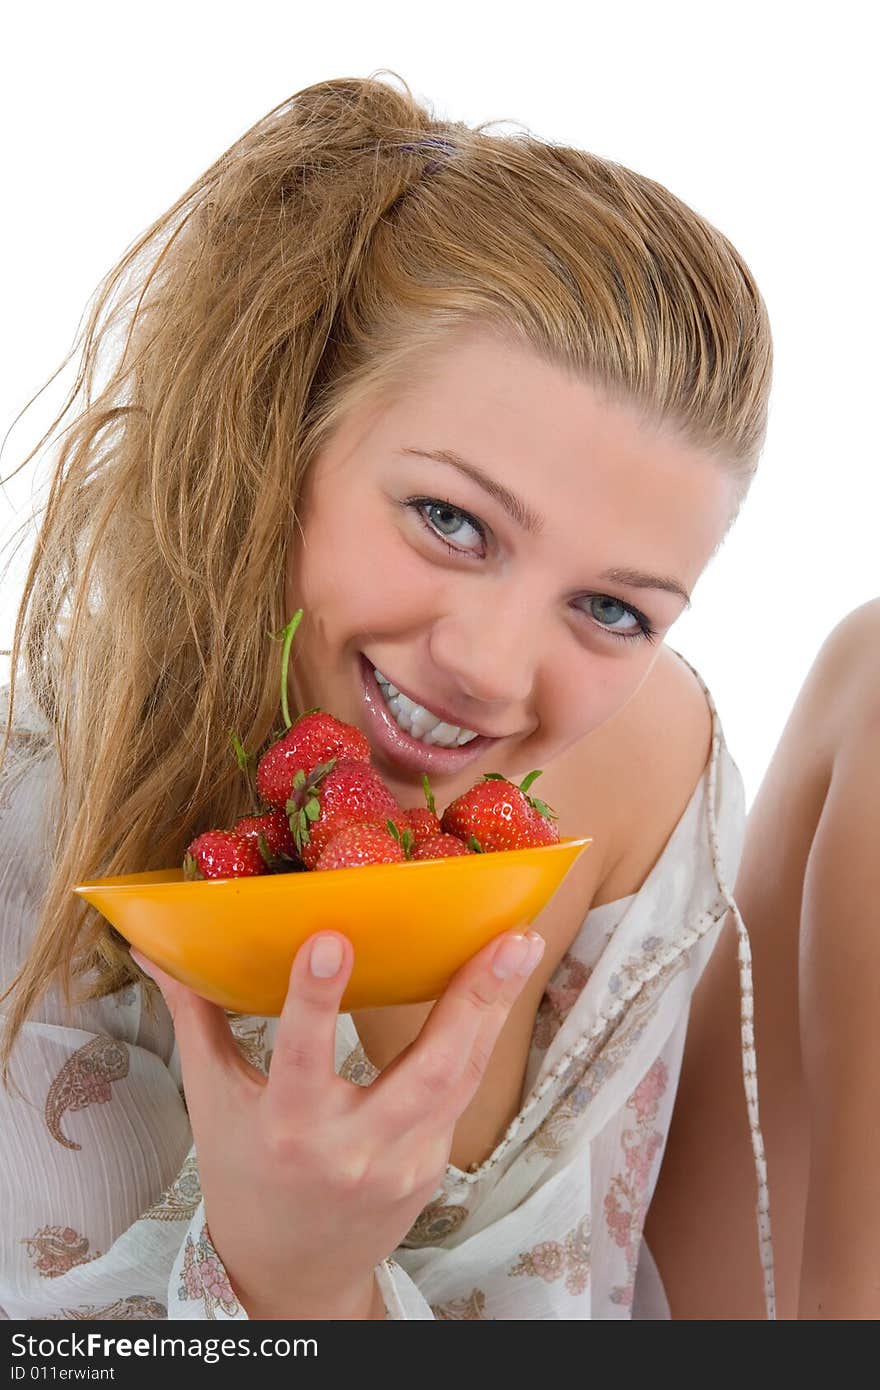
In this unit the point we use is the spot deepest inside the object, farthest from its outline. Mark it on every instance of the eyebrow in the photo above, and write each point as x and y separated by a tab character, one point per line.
523	516
636	580
531	522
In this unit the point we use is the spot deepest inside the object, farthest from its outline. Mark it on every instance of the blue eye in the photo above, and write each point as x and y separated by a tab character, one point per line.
609	612
443	520
618	618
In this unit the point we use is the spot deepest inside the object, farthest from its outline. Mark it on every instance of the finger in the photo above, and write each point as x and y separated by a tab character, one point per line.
205	1042
303	1060
440	1072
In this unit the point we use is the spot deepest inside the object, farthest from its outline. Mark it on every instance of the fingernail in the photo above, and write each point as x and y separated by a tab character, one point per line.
511	956
325	957
536	951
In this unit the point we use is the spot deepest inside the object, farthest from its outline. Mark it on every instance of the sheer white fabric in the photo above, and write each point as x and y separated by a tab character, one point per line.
101	1210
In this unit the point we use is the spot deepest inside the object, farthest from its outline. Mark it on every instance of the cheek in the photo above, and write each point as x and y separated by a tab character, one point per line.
579	696
359	572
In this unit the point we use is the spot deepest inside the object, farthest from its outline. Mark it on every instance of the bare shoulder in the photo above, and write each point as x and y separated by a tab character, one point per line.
634	777
845	679
840	695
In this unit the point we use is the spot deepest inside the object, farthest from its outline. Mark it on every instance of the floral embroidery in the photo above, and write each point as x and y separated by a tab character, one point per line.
56	1249
626	1201
179	1201
471	1309
434	1224
204	1277
137	1308
587	1073
358	1068
569	1260
558	1000
85	1079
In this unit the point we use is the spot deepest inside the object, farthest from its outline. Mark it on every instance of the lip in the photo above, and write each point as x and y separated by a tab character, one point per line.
401	748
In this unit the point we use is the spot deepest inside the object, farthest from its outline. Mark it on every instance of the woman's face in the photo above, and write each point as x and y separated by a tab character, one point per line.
505	546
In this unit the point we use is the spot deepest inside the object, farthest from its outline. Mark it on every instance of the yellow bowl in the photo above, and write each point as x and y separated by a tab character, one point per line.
412	925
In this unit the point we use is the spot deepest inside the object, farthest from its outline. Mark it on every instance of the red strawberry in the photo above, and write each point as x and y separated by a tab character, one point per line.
312	739
424	824
272	834
334	795
423	821
440	847
499	815
223	854
358	845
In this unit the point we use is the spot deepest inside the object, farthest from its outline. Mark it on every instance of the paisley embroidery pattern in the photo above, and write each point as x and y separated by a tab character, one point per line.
179	1201
137	1308
435	1223
358	1068
552	1260
470	1309
85	1079
53	1250
203	1277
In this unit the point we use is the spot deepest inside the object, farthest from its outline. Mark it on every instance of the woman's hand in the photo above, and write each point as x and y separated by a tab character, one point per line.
309	1180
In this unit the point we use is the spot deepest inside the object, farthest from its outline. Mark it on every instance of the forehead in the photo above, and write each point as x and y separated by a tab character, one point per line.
595	466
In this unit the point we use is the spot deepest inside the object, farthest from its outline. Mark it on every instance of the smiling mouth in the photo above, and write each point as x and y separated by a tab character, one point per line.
419	721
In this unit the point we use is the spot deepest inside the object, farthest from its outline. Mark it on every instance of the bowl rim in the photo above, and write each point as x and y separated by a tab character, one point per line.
142	879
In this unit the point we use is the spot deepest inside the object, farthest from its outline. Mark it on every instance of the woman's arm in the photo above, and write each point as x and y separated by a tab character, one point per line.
840	1006
701	1226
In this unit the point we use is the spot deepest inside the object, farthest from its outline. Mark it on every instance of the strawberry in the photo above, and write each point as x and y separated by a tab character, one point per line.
440	847
495	814
223	854
423	821
358	845
333	795
424	824
312	739
272	834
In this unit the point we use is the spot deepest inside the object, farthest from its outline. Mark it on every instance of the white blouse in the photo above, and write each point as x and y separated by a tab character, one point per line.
102	1214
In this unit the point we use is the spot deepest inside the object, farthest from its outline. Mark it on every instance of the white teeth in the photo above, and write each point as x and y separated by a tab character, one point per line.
386	685
446	735
419	722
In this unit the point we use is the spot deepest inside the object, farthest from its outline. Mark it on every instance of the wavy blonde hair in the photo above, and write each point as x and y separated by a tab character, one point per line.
315	264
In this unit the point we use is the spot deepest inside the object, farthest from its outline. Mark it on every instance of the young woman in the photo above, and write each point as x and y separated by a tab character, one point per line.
485	408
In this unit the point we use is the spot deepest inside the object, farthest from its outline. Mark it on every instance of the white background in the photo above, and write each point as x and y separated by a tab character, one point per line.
758	115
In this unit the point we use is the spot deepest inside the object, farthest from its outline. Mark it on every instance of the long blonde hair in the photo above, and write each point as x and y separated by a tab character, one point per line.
312	266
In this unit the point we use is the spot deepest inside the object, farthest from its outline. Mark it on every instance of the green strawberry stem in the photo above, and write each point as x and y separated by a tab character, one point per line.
191	868
429	795
540	806
245	761
474	844
405	840
286	636
527	781
303	806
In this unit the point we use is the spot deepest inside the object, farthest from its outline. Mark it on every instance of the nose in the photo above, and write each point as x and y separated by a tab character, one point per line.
490	654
